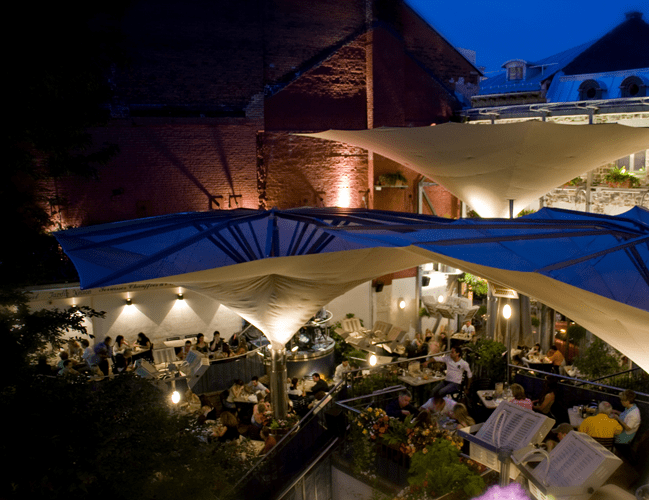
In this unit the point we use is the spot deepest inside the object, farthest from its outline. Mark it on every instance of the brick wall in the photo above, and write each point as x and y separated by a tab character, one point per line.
214	89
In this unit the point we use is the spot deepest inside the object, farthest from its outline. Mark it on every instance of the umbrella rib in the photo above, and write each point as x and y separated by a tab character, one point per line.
225	246
503	238
639	263
623	246
256	240
298	234
237	234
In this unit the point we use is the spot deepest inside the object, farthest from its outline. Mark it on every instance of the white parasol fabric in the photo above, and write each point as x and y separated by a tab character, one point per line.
487	165
277	268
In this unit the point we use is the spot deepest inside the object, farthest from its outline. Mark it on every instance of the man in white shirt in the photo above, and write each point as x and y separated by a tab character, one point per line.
442	407
341	369
455	368
468	329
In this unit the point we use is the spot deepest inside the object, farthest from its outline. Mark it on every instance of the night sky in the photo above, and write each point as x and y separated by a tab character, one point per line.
500	30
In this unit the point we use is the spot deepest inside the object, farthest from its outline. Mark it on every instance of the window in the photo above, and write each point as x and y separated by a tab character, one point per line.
633	86
591	89
515	73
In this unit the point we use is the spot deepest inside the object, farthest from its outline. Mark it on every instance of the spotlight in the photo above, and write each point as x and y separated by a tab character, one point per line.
440	299
507	311
402	303
175	397
180	296
129	302
372	359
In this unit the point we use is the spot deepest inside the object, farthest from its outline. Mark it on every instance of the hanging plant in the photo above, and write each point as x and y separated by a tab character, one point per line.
477	285
392	179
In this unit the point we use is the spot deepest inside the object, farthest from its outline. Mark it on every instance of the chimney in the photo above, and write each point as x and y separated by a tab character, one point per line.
634	14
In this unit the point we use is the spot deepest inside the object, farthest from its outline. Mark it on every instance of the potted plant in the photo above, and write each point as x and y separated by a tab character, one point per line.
392	179
620	178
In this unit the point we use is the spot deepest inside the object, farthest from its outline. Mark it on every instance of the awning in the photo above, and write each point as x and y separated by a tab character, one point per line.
487	165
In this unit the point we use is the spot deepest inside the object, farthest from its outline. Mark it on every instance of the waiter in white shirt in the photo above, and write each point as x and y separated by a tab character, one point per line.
455	368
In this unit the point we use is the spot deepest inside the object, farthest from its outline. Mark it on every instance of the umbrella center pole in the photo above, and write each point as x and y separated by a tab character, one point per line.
278	394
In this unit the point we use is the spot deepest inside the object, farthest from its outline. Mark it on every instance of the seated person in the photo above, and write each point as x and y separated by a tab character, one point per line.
88	351
320	385
63	357
461	415
316	399
554	357
74	350
293	390
257	388
68	370
519	397
217	342
468	329
400	408
185	350
224	396
269	440
629	419
122	362
238	390
456	367
601	425
242	348
229	428
259	419
547	397
440	406
560	431
201	346
143	347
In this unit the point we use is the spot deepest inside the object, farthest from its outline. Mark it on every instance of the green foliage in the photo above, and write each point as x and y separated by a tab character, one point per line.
112	439
597	361
423	312
619	175
477	285
374	382
392	179
488	357
576	332
26	333
352	315
437	470
525	212
536	321
575	182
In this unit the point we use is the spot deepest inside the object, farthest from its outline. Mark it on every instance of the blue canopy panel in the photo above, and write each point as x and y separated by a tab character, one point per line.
170	245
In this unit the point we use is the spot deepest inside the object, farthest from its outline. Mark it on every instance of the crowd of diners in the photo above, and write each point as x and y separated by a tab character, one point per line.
104	359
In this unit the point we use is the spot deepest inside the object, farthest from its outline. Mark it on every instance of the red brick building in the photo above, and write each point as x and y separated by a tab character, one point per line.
203	114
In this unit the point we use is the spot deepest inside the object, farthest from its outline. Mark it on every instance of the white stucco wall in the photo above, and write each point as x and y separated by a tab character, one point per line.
156	312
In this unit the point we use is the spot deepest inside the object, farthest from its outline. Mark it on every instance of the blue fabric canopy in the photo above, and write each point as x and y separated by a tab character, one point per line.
276	268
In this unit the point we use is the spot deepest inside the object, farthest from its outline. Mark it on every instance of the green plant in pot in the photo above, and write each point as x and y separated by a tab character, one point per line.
619	177
392	179
487	359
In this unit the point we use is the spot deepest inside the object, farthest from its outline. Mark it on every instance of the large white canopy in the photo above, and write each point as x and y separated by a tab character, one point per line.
487	165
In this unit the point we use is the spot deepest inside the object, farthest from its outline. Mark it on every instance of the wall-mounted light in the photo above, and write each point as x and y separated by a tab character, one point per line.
295	348
180	296
507	311
440	299
402	303
129	302
372	359
175	397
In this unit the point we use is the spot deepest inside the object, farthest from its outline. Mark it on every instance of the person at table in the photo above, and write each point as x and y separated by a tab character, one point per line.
535	352
547	397
120	345
456	367
400	407
468	329
257	388
341	369
185	350
461	415
237	391
144	346
560	431
629	419
106	344
440	406
68	370
320	384
268	438
74	350
229	428
217	342
519	397
602	425
201	346
88	352
293	389
554	357
243	347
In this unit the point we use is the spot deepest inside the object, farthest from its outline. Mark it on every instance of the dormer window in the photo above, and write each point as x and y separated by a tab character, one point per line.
591	90
515	69
633	86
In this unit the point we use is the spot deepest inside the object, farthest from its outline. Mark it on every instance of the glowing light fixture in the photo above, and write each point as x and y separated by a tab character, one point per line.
295	348
372	359
507	311
129	302
440	299
180	296
402	303
175	397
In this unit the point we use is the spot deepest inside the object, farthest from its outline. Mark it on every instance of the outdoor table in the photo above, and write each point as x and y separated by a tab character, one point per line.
493	403
575	417
417	384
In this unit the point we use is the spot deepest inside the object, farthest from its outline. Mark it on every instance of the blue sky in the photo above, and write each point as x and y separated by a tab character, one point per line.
499	30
